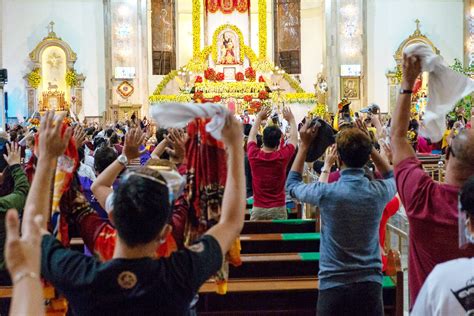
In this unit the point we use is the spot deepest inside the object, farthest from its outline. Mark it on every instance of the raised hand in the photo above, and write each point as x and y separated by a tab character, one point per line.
287	114
51	143
232	133
360	125
264	113
79	136
13	156
411	71
386	151
308	132
23	254
331	157
177	139
133	140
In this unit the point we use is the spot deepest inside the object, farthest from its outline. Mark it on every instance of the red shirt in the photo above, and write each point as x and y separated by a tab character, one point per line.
269	174
432	210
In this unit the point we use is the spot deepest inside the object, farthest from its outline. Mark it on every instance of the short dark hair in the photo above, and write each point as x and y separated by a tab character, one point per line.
271	136
138	218
160	134
466	196
354	147
103	157
109	132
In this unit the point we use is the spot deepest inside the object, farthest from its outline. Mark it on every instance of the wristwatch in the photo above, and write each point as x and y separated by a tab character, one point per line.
405	91
123	160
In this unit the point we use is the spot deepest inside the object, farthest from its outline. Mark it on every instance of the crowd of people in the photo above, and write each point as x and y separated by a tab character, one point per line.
127	198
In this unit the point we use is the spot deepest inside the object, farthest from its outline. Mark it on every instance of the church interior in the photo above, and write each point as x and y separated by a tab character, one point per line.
106	62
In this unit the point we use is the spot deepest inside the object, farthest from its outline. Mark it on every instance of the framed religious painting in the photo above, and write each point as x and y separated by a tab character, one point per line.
350	88
228	48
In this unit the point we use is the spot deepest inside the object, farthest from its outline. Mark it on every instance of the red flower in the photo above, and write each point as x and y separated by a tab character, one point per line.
262	95
239	76
198	96
248	98
256	105
250	74
220	76
198	79
216	99
261	79
210	74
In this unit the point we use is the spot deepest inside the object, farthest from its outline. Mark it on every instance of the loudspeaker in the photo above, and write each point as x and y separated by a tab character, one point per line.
3	76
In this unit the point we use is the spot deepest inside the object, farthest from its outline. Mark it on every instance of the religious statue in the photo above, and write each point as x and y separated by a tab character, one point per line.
227	50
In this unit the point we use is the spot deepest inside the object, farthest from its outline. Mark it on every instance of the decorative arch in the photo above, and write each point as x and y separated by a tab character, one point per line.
215	39
416	38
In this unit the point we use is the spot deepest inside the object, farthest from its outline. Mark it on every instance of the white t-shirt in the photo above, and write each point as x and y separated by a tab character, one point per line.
448	290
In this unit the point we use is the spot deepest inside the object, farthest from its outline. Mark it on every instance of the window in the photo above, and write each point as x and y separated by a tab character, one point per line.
163	36
287	30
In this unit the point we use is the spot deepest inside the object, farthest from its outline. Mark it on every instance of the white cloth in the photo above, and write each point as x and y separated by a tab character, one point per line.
86	171
177	115
445	88
448	290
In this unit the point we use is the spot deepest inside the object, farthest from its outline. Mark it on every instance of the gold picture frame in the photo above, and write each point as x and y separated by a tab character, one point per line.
350	88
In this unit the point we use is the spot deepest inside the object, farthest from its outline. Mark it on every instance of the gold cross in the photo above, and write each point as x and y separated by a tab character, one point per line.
417	24
51	27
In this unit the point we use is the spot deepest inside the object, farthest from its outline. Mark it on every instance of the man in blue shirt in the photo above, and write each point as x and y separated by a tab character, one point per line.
350	273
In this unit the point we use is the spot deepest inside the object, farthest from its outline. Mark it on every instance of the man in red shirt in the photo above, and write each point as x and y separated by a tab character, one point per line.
431	207
268	166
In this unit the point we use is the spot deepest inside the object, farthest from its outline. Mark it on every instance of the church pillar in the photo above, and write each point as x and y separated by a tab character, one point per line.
1	33
345	59
468	33
126	58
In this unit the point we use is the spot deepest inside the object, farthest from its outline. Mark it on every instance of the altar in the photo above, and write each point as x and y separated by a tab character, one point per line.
225	68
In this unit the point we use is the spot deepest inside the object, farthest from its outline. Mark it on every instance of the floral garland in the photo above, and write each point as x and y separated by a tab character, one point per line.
34	78
319	110
262	28
196	16
170	98
164	82
71	78
230	87
215	39
293	83
250	54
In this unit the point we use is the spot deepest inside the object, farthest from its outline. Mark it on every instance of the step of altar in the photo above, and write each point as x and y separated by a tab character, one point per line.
280	243
279	226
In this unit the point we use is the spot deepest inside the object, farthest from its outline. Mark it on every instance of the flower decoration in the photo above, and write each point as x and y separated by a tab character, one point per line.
71	78
263	95
165	81
210	74
198	79
256	105
262	28
196	21
34	78
248	98
261	79
198	96
34	121
250	74
220	76
217	99
239	76
215	39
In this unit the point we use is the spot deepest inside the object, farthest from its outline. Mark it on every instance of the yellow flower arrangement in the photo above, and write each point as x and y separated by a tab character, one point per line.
34	78
248	51
262	28
215	39
71	78
164	82
230	87
196	16
300	97
183	98
319	109
264	65
293	83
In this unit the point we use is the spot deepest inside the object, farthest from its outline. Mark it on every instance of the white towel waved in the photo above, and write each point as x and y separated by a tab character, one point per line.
445	87
177	115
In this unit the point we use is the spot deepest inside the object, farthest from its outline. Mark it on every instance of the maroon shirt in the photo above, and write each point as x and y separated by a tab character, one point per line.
432	210
269	174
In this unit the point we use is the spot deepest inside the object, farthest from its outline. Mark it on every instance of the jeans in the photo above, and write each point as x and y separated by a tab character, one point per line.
364	299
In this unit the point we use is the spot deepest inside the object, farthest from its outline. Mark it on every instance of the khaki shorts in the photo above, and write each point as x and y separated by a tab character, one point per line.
261	214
